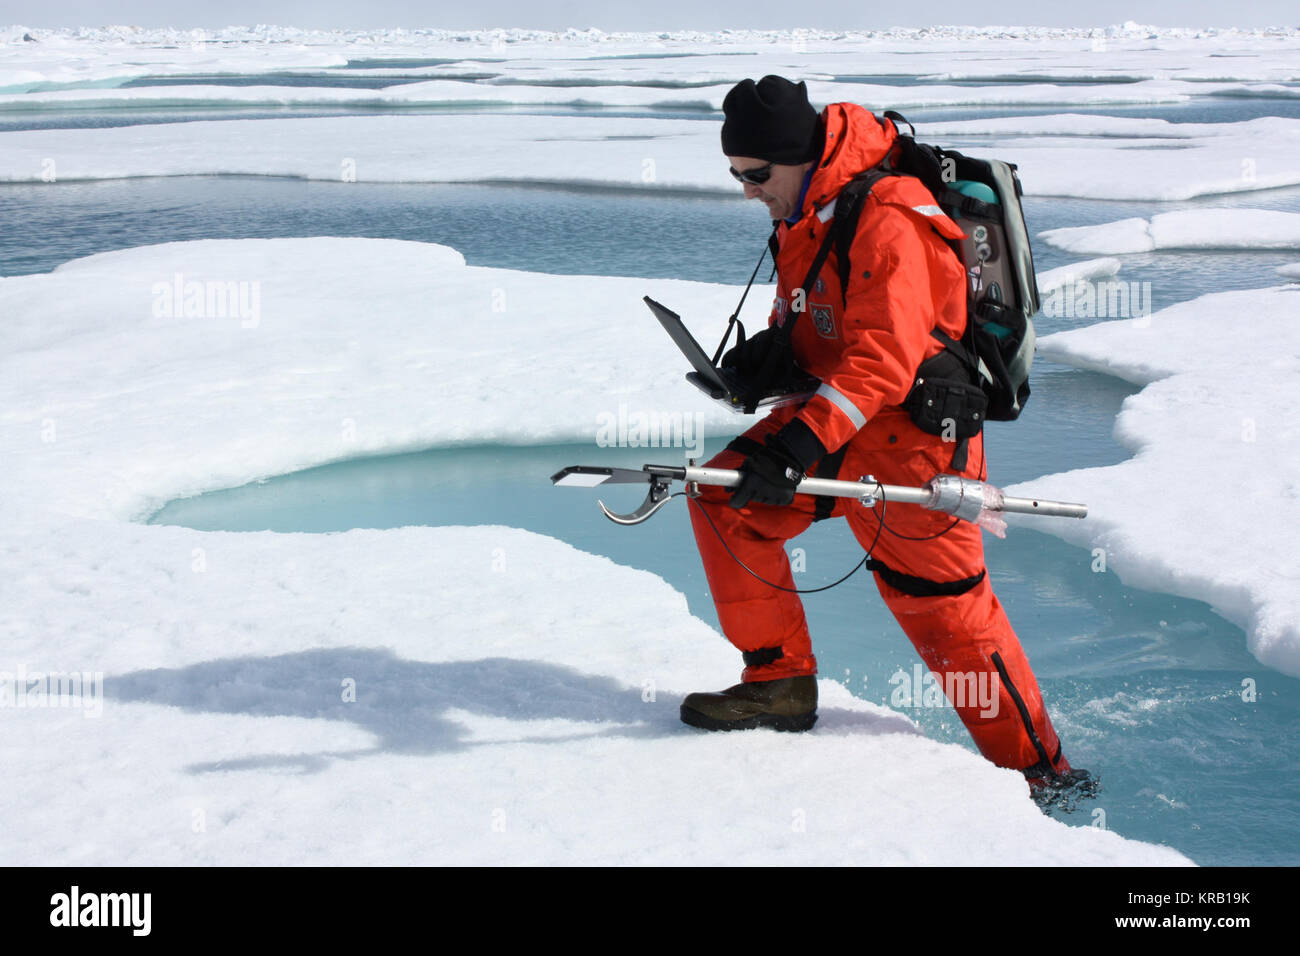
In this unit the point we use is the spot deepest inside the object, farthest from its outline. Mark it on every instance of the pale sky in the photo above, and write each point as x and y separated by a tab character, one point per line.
644	14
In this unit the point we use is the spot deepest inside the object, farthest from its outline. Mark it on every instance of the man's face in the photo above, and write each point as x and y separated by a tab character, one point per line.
780	192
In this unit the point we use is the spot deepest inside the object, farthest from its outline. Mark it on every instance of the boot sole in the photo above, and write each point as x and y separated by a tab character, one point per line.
793	723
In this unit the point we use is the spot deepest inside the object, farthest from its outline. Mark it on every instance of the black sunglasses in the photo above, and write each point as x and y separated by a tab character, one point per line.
756	176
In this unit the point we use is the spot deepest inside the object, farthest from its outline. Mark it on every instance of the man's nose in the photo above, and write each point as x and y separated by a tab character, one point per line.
752	191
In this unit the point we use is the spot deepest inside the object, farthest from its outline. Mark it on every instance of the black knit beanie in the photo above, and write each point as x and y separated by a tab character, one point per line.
771	119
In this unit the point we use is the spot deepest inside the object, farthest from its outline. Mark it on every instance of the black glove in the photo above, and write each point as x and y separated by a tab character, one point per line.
770	474
748	356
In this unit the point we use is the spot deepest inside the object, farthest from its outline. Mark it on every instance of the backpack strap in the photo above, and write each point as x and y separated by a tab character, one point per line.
848	211
968	358
845	228
819	260
896	117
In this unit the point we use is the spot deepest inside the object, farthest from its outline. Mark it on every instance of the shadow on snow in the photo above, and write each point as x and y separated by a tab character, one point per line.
405	704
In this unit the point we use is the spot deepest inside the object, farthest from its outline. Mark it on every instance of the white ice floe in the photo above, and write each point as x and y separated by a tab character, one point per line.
1185	229
402	95
420	695
1062	276
588	91
1205	506
639	154
1119	54
44	71
619	152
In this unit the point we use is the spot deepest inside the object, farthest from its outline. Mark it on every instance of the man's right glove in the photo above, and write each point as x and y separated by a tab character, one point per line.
770	474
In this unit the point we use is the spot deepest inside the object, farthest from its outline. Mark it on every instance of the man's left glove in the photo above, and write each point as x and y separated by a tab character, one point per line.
770	474
747	357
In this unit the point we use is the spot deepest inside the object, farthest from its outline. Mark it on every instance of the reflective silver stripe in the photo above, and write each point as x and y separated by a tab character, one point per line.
843	404
928	210
827	211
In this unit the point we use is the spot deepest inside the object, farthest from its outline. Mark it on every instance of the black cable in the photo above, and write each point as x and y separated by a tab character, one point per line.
735	316
781	587
880	517
880	527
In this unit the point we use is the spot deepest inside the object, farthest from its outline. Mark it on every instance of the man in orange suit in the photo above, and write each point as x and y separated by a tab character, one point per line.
864	343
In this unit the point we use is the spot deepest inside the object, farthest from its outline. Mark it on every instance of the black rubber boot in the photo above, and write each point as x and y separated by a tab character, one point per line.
1064	790
786	704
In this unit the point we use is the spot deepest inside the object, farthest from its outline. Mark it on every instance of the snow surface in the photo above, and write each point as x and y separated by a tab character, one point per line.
505	710
624	153
513	71
1121	53
1185	229
608	90
502	712
1215	473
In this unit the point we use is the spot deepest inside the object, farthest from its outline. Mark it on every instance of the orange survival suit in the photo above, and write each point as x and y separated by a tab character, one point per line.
865	347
